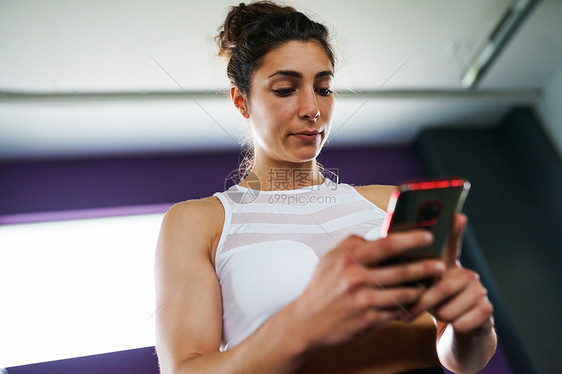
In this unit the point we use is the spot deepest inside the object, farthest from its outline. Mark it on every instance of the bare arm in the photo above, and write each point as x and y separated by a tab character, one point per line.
466	352
459	301
188	299
341	301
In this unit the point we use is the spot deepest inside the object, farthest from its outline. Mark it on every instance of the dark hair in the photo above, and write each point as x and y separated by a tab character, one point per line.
251	31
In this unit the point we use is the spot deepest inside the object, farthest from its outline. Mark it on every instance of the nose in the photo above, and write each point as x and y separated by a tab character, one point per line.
309	108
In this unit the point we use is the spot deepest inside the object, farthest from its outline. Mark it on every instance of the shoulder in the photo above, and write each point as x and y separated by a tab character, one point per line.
199	209
377	194
198	213
194	223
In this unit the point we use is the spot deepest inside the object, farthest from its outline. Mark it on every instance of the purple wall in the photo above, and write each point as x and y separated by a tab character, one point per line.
81	188
47	186
100	183
138	361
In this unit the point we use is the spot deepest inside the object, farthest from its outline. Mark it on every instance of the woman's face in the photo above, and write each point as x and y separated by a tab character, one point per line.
291	103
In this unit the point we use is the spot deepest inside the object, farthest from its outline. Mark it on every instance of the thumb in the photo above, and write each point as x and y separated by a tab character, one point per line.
453	248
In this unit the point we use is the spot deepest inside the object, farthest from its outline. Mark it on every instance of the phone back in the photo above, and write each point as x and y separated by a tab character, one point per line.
427	205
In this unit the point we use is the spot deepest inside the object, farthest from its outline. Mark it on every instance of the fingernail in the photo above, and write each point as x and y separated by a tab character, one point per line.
440	267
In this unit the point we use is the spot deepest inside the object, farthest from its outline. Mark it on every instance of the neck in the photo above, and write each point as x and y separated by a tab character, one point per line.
278	176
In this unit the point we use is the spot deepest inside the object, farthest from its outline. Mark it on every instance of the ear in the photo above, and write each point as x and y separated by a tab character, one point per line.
239	101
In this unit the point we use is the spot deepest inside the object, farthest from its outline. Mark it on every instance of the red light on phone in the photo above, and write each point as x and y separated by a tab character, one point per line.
425	185
389	212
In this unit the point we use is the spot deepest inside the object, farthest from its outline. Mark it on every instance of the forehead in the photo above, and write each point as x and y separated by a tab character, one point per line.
304	57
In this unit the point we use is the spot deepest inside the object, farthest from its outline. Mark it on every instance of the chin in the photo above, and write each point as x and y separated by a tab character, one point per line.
306	156
302	153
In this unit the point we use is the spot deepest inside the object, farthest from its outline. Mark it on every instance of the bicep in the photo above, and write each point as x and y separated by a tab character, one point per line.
188	299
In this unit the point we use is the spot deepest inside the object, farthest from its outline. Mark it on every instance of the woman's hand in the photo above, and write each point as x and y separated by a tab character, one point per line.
350	292
458	298
460	302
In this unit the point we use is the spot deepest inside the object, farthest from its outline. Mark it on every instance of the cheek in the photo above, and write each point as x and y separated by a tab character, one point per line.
327	111
272	116
327	107
266	110
282	110
264	122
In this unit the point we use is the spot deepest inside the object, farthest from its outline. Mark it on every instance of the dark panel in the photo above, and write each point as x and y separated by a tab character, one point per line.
537	162
515	243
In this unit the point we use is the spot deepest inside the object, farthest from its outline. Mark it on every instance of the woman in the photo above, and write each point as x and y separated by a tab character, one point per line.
275	275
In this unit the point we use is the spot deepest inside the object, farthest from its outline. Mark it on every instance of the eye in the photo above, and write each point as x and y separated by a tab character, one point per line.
283	92
324	91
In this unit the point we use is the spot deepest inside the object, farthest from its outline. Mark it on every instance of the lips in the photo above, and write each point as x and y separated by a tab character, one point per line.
307	135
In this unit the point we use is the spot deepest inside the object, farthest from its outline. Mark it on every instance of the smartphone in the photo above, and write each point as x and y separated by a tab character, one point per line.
426	204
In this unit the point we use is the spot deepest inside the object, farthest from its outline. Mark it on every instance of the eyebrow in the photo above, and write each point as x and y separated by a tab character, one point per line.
296	74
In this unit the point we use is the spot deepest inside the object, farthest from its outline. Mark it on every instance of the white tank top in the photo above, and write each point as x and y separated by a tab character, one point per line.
271	242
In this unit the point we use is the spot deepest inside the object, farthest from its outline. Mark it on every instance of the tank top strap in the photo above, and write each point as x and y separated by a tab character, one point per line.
227	206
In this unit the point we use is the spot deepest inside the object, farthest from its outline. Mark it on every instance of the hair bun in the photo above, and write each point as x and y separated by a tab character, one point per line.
240	20
230	31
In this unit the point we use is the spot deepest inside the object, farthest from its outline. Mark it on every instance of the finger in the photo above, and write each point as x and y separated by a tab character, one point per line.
442	291
461	303
395	244
454	243
479	317
407	272
374	317
390	298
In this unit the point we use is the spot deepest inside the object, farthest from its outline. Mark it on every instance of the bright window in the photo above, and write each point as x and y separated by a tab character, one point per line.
75	288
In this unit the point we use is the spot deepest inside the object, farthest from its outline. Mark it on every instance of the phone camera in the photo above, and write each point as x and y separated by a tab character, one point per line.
429	213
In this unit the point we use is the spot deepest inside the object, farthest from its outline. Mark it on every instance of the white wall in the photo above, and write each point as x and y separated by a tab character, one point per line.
550	109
